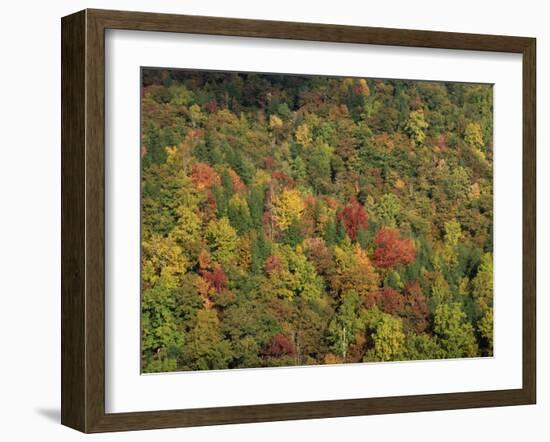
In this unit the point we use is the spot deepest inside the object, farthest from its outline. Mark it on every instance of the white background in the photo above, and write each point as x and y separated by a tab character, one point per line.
128	391
30	219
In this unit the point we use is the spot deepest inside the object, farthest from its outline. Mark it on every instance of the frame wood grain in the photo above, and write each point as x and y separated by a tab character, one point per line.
83	216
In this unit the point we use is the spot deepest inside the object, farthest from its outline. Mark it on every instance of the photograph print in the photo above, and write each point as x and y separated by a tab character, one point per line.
299	220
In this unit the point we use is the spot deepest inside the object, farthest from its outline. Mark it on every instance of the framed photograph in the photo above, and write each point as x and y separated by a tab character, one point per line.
267	221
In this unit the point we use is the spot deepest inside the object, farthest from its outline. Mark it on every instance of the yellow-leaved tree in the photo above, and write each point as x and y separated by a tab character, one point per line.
288	207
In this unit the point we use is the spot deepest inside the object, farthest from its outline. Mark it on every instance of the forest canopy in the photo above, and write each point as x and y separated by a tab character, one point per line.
301	220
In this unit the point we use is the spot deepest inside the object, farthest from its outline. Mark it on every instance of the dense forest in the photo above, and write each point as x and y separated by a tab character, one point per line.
297	220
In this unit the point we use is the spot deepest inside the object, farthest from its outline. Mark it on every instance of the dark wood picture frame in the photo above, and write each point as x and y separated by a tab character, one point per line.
83	216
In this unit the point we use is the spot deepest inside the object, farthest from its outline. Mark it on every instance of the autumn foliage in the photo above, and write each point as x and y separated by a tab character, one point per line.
216	278
273	264
416	307
304	220
279	345
237	182
204	176
354	217
391	249
387	300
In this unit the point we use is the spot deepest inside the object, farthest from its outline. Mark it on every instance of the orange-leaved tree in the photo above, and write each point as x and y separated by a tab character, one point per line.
391	249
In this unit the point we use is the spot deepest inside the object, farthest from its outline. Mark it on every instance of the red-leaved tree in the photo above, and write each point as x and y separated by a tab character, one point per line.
416	307
216	278
278	346
211	106
391	301
387	299
391	249
354	217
